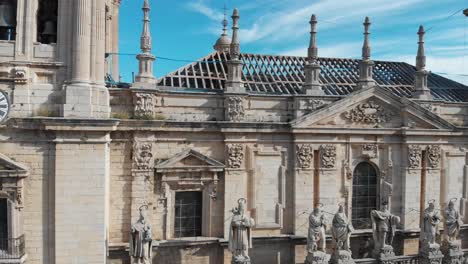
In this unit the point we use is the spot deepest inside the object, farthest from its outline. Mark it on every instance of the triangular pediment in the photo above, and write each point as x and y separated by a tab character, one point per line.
373	108
190	160
11	168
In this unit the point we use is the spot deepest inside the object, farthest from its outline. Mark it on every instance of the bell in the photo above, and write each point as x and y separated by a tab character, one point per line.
7	15
49	28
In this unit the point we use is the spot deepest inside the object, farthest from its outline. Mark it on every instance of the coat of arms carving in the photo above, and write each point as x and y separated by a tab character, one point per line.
369	113
328	156
414	156
235	155
235	109
304	155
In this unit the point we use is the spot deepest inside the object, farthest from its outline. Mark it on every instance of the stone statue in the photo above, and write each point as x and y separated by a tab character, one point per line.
429	251
453	221
384	226
430	225
240	235
316	235
140	239
341	229
341	232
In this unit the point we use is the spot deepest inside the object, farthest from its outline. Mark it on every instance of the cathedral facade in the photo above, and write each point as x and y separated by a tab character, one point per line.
81	154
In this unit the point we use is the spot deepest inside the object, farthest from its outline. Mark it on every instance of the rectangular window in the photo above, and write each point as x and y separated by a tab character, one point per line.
47	21
188	214
7	19
3	225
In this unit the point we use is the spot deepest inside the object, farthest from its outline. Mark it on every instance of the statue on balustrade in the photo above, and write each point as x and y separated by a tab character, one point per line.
140	239
316	234
430	225
341	232
316	238
240	235
384	225
453	221
341	229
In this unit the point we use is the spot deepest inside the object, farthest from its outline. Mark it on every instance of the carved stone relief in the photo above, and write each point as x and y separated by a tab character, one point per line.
314	104
429	107
20	76
369	113
369	150
235	111
328	156
304	155
235	155
143	156
433	156
414	156
144	104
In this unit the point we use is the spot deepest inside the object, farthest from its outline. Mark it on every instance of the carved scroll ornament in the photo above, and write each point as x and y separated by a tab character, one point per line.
235	109
369	113
143	156
235	155
328	156
144	104
433	156
414	156
304	155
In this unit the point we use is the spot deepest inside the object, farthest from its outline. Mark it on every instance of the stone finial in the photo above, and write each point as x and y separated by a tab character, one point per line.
234	83
145	75
366	65
145	42
313	51
312	68
235	45
366	50
421	91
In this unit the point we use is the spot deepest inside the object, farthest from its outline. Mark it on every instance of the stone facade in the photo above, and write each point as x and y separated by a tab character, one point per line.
74	177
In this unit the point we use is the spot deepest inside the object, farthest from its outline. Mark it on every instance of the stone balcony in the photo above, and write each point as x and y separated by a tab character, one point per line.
12	250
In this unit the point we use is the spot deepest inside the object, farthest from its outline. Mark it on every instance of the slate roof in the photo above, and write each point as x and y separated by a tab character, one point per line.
272	74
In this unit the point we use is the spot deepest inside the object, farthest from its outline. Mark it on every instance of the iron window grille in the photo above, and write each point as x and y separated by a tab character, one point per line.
188	214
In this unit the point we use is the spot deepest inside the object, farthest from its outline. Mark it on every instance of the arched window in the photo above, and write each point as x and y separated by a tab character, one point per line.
7	19
364	194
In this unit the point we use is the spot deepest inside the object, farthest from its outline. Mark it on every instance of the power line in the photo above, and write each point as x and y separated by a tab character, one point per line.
445	19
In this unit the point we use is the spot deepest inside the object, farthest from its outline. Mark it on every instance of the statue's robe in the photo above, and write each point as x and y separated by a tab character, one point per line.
341	230
453	223
383	222
316	232
141	242
240	235
430	224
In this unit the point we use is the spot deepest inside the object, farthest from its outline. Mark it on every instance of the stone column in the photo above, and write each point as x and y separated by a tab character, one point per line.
81	50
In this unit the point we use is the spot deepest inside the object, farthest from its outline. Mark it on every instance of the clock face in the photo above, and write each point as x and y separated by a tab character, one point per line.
4	106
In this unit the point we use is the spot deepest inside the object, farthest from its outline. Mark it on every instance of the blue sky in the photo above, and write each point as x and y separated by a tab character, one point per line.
187	30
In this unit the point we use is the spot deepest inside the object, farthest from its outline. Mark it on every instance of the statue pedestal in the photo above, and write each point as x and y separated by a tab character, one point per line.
385	255
430	254
240	260
453	253
342	257
317	257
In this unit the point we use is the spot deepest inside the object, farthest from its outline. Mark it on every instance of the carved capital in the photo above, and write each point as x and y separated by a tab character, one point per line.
235	155
328	156
142	156
369	113
144	104
304	154
433	156
235	111
414	156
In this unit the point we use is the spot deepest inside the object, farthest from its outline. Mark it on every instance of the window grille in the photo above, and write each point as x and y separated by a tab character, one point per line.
364	195
188	214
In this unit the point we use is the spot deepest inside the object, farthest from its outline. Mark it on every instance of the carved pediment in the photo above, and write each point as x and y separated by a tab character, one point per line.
372	108
11	168
189	160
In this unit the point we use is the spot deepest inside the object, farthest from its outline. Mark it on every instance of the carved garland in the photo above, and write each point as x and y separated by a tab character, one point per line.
433	156
235	109
328	156
235	155
144	104
369	113
143	156
304	154
414	156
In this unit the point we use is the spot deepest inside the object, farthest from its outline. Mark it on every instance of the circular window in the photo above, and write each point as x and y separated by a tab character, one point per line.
4	106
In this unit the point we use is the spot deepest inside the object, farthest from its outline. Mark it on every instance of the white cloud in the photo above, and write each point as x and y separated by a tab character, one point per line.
202	8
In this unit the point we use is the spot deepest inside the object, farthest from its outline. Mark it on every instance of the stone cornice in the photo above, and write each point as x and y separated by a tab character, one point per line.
64	124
